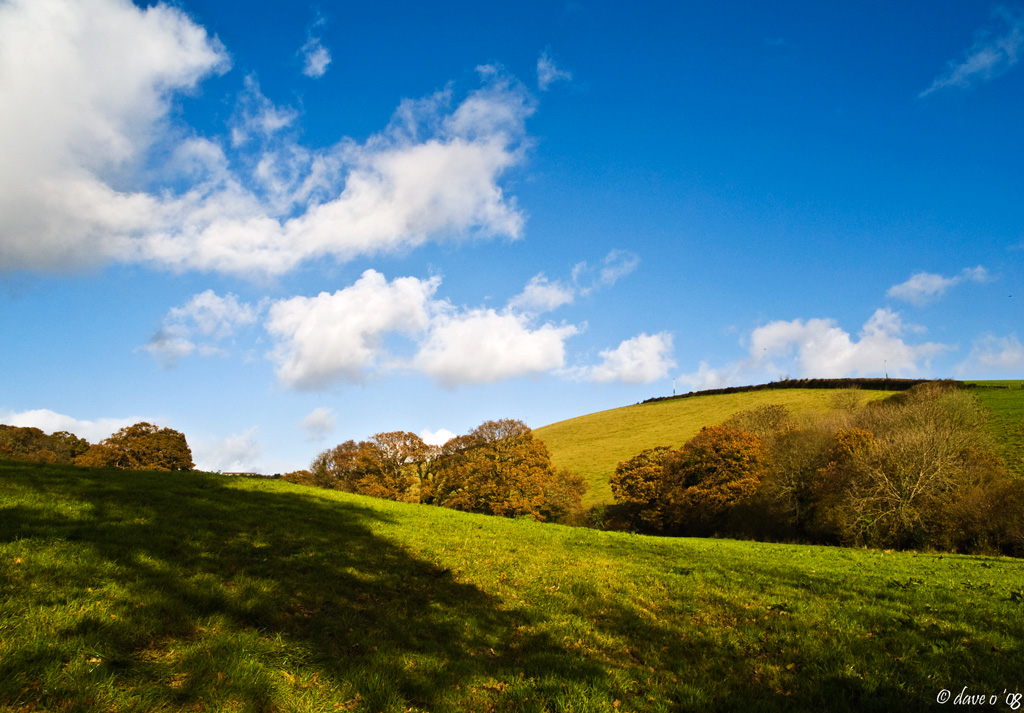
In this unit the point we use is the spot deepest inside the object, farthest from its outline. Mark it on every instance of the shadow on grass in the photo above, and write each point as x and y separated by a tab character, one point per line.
188	591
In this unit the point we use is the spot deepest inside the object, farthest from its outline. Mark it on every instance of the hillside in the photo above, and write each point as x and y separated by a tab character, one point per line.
592	445
140	591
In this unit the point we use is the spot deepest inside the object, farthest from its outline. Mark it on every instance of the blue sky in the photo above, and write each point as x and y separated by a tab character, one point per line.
276	226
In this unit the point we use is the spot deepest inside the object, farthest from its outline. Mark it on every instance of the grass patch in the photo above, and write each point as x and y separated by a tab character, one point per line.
136	591
594	444
1005	399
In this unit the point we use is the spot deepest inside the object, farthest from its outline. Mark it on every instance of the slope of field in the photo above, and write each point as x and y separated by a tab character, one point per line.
137	591
1005	399
594	444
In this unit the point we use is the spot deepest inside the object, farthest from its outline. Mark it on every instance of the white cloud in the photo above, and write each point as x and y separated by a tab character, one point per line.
818	348
339	336
236	453
316	58
78	118
79	124
824	350
548	72
991	56
50	421
925	287
318	424
436	438
205	315
541	295
483	346
640	360
994	355
256	116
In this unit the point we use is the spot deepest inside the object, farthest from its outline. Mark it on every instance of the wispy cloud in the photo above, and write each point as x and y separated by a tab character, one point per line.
925	287
207	318
318	424
993	355
615	265
548	72
315	56
994	52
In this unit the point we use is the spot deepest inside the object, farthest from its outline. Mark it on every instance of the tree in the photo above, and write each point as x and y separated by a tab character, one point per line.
391	465
924	453
639	484
141	446
714	471
499	468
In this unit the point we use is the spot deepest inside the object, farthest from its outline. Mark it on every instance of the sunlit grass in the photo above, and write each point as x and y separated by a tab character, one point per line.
149	592
1005	399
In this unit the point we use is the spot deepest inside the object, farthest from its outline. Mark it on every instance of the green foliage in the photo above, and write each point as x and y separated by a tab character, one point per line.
156	592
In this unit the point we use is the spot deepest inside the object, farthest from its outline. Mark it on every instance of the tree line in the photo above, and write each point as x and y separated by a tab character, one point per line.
498	468
136	447
914	471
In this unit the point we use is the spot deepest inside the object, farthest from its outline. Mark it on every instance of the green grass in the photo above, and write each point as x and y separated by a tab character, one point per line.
1005	399
136	591
594	444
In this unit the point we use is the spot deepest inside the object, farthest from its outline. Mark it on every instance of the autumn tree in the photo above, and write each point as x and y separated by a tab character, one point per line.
714	471
499	468
639	485
140	446
391	465
926	451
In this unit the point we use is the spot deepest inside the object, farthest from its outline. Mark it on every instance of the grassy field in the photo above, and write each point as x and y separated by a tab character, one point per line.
594	444
137	591
1005	399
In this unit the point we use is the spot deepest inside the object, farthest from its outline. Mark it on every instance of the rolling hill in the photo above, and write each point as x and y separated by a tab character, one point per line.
592	445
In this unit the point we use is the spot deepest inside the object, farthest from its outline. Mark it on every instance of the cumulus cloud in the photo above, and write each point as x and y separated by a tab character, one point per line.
640	360
994	355
548	72
925	287
79	124
318	424
339	336
50	421
483	346
819	348
77	117
205	315
994	52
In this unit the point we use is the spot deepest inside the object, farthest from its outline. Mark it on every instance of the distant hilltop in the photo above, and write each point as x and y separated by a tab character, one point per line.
874	384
